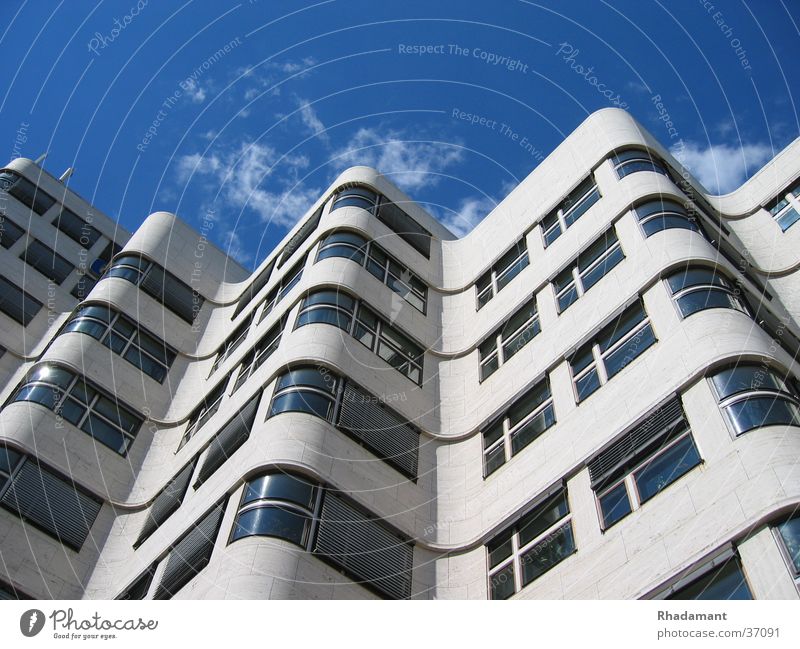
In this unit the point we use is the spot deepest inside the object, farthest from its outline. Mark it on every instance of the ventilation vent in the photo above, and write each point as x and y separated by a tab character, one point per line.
166	502
380	429
51	504
230	438
658	427
364	549
189	555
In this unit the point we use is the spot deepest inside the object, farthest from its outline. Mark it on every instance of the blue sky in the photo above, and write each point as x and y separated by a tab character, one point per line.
136	97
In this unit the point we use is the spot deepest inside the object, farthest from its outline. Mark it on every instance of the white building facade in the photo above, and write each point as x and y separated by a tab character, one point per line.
594	394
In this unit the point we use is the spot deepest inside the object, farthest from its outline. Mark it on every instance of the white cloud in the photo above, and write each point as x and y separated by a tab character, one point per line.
412	163
257	177
194	91
471	211
722	167
311	120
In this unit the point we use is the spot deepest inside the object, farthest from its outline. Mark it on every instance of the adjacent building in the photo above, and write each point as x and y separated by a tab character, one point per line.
594	394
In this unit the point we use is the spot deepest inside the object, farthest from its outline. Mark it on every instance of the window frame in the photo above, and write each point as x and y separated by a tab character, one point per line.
258	355
491	279
789	394
502	340
34	259
738	302
130	343
559	215
510	431
288	281
792	199
519	551
644	156
628	478
791	566
204	411
599	356
359	318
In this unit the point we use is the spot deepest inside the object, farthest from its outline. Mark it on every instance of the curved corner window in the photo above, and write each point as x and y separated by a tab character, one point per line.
656	216
280	505
379	263
343	244
125	338
306	389
358	196
752	396
698	288
362	323
177	296
634	160
82	404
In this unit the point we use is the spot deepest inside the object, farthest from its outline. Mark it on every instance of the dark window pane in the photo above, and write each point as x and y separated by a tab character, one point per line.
547	553
502	583
494	459
706	298
499	548
76	228
47	262
532	429
619	359
587	384
615	505
316	377
325	316
726	582
544	516
282	487
105	433
665	468
745	378
790	533
754	412
604	267
303	401
272	521
10	232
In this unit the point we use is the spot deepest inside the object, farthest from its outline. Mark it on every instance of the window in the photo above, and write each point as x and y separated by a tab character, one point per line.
291	507
390	214
47	261
228	440
205	411
300	236
166	503
633	160
25	191
573	207
9	592
501	273
124	337
287	283
785	209
190	554
379	263
590	267
141	585
256	357
159	284
612	350
644	461
523	422
10	232
517	332
722	582
39	496
752	396
16	303
658	215
253	289
82	404
76	228
279	505
362	416
533	545
341	310
233	341
789	534
698	288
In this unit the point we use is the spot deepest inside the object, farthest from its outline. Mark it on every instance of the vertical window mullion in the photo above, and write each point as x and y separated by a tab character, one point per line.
577	281
507	439
599	363
515	560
